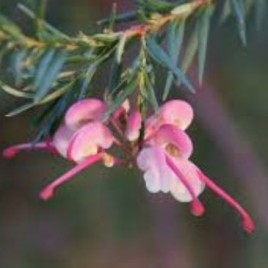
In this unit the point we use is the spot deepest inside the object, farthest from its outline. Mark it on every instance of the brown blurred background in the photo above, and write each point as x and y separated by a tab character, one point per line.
105	217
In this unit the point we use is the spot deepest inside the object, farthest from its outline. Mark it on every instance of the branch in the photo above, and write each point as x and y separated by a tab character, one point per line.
54	67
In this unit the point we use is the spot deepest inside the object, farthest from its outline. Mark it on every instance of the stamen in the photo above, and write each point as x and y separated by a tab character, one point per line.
48	191
15	149
197	207
247	222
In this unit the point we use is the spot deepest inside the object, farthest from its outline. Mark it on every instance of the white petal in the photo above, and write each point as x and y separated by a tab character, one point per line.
179	191
157	176
152	181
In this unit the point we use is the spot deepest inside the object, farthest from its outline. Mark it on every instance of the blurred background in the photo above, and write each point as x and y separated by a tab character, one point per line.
105	217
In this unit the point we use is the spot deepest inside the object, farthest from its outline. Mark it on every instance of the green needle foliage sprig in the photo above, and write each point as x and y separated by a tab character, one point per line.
55	70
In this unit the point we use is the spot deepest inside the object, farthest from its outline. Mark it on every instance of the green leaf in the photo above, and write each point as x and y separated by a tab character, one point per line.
239	12
43	67
162	58
91	71
15	92
226	11
190	51
175	36
115	74
39	19
50	75
124	17
112	17
57	93
120	99
21	109
150	91
9	27
203	32
88	78
120	48
49	27
17	60
52	116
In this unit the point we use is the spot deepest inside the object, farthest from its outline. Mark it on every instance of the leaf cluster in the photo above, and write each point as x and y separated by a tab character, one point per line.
54	69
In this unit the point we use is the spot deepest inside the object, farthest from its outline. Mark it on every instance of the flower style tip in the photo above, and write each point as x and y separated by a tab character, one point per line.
248	225
197	208
10	152
246	221
48	191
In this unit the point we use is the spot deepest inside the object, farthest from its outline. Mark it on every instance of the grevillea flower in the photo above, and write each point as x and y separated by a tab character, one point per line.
81	138
164	159
159	145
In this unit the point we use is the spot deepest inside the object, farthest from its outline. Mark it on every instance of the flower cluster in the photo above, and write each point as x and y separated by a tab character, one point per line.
157	144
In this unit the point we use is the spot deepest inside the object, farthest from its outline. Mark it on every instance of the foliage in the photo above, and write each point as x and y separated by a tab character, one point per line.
53	69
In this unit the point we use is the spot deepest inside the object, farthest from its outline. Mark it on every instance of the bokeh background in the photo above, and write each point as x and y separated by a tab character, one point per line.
105	217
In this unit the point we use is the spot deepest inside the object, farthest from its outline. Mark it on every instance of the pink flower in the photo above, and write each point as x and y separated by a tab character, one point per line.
159	145
164	159
81	138
89	140
78	115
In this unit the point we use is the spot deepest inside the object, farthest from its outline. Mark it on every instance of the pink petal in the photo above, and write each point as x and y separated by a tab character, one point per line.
48	191
175	112
88	140
133	126
162	174
157	175
188	185
83	112
61	139
170	135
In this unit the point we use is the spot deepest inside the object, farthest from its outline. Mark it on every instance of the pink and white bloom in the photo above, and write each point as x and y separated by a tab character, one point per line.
159	145
78	115
81	138
164	159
